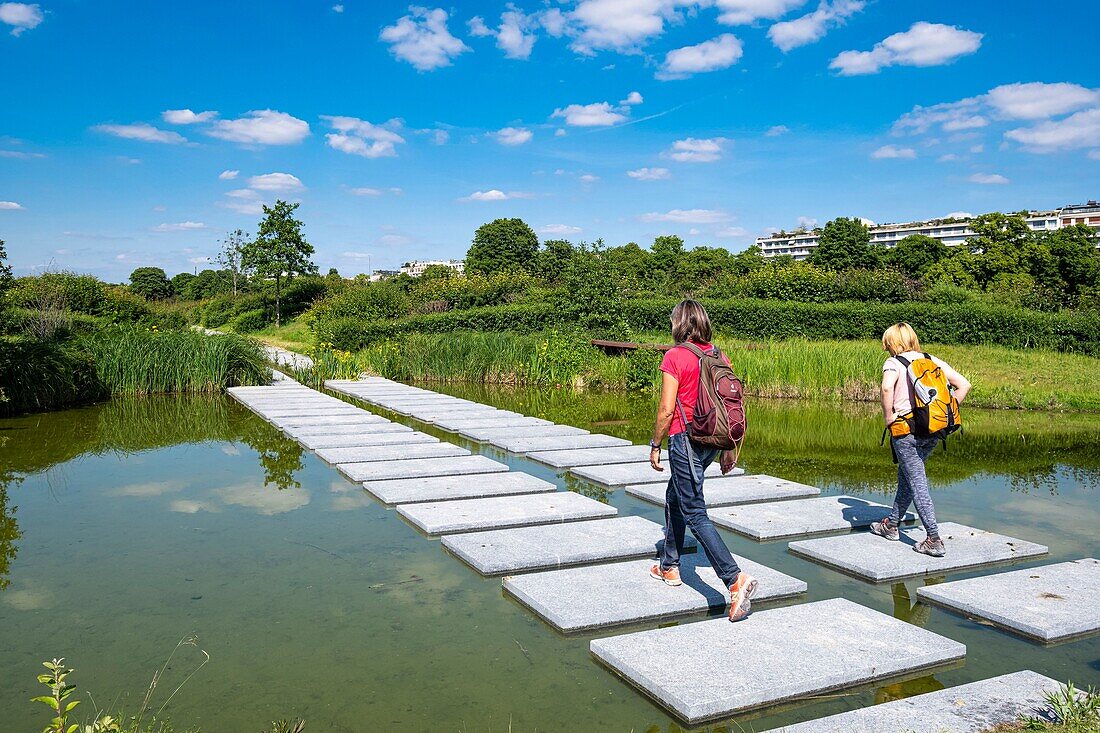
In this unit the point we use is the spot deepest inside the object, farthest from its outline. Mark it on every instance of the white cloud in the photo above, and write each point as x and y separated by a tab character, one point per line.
438	137
422	39
513	135
743	12
199	261
806	222
988	178
494	194
977	148
228	175
559	230
21	16
514	37
687	216
359	137
263	500
186	116
337	8
620	25
365	191
261	127
477	27
718	53
1036	100
588	178
127	160
730	232
560	132
142	131
924	44
1079	130
1094	155
649	174
696	150
813	26
20	154
893	151
243	193
632	99
183	226
777	130
959	215
597	114
275	182
947	158
953	114
10	206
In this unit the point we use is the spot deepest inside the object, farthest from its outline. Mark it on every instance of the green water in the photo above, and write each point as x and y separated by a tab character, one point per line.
127	526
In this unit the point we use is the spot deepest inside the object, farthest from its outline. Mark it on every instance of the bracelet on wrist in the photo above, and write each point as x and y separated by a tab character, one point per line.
654	446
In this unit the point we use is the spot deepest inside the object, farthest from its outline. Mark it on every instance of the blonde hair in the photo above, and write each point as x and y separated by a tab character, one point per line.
900	338
690	322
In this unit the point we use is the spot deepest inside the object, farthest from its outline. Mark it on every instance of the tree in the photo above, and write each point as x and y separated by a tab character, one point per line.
279	251
150	283
553	258
230	255
589	296
502	244
437	272
181	285
5	271
1076	258
914	254
844	242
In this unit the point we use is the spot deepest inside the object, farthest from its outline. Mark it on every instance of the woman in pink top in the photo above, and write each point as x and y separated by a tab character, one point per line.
684	502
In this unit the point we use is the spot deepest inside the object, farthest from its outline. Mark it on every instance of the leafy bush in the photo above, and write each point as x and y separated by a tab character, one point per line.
472	291
642	368
301	294
217	312
253	320
44	375
883	286
365	302
798	282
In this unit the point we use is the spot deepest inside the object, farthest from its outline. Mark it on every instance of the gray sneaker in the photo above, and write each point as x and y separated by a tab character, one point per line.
885	529
933	547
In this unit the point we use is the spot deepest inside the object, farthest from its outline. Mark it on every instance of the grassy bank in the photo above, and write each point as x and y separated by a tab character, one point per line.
795	368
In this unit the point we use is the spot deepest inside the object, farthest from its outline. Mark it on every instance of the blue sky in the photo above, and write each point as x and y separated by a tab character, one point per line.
136	134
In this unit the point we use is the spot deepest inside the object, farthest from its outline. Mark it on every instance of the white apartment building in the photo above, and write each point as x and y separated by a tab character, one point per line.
416	267
951	231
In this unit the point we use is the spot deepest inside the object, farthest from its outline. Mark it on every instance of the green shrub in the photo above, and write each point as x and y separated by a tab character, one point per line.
882	286
301	293
248	321
473	291
642	369
44	375
798	282
371	302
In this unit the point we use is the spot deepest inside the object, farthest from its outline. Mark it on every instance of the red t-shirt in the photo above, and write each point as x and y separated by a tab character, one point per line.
684	366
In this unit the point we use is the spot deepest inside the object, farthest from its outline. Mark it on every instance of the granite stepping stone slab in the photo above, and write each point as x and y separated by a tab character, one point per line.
443	488
372	453
594	456
423	413
372	428
383	470
498	512
460	422
496	552
730	490
319	411
873	558
971	708
483	435
361	418
1050	603
558	444
800	517
792	652
316	442
434	415
623	474
577	599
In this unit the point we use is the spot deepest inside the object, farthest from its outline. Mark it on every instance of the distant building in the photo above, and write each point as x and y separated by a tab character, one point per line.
416	267
382	275
951	231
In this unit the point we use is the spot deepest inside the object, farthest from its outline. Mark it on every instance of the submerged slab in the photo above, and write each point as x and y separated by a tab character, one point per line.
370	453
340	408
873	558
623	474
1049	603
590	597
458	422
730	490
359	418
383	470
316	442
971	708
594	455
787	653
347	429
496	512
443	488
432	416
496	552
801	517
531	431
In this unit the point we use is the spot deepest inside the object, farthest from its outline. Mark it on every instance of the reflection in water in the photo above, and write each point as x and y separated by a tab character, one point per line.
908	609
9	530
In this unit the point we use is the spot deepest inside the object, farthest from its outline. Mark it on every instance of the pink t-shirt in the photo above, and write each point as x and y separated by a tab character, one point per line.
902	404
680	363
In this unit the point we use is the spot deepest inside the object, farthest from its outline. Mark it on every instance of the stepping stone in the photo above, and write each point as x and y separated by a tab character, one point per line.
373	428
971	708
373	453
448	414
315	442
556	546
873	558
318	411
497	512
622	474
781	519
1050	603
441	488
620	593
730	490
555	445
383	470
787	653
361	418
422	413
483	435
595	455
477	421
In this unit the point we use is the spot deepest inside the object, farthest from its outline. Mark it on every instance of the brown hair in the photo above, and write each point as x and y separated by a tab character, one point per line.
900	338
690	322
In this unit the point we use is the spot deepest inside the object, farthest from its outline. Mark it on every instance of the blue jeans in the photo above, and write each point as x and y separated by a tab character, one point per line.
685	507
913	488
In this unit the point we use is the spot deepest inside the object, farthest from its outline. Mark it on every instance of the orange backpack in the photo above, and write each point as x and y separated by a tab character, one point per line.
935	411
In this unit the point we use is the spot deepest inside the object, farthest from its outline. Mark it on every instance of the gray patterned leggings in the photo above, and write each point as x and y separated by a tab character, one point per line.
912	452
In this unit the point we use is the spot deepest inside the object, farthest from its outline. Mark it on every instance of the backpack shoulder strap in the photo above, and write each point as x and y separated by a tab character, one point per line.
692	348
903	361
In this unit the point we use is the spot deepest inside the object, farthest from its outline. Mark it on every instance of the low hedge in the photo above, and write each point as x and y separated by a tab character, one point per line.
957	323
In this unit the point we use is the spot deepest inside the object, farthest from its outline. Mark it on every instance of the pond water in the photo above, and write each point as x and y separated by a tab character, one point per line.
127	526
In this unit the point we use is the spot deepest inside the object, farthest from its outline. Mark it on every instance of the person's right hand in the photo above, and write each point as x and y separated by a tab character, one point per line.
655	459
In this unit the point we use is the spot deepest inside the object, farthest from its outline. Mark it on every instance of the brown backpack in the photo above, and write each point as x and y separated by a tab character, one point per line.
719	417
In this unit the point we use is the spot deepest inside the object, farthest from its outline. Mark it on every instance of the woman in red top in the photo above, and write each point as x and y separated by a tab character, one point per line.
684	502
